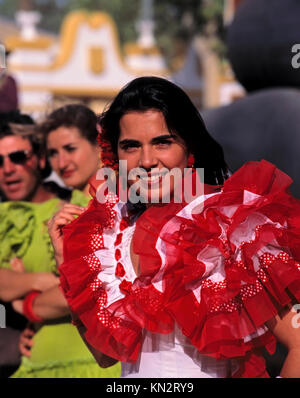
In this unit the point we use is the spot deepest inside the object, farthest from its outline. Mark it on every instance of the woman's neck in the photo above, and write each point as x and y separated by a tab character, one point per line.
86	190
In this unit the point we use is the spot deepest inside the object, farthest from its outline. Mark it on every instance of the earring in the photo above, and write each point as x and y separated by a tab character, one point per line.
191	161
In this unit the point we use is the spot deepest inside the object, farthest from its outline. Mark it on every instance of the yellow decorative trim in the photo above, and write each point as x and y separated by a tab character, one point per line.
35	108
74	92
68	35
84	92
96	60
69	29
136	49
40	43
28	68
89	92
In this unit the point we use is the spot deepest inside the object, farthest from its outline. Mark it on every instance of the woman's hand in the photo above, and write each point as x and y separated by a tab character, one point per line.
26	342
64	216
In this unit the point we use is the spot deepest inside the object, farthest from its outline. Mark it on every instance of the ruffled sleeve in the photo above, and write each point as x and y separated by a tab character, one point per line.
219	267
86	293
232	261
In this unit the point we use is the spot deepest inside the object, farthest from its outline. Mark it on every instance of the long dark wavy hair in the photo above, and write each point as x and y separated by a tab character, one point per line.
181	116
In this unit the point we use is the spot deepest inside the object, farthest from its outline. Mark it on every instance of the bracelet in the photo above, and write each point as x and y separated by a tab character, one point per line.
27	306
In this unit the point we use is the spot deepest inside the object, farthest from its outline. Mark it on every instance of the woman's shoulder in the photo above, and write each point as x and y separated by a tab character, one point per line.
260	177
231	257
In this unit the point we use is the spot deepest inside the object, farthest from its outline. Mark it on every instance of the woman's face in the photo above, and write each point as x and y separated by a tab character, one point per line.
146	142
72	156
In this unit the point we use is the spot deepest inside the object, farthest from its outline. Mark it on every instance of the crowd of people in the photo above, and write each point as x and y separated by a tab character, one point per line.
67	138
161	288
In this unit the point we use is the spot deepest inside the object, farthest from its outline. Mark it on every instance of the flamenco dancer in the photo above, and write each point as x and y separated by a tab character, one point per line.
186	288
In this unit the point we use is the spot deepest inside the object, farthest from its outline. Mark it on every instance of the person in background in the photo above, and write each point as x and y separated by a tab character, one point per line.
26	205
9	100
57	350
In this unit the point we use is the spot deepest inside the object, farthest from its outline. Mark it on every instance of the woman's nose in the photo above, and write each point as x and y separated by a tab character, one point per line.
62	161
148	159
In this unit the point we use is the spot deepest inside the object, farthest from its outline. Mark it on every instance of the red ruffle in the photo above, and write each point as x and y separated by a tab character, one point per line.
228	311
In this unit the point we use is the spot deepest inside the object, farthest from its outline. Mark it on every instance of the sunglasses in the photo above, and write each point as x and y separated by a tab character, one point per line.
17	157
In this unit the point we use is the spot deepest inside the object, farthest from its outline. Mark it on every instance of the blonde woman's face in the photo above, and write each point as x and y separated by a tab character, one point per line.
72	156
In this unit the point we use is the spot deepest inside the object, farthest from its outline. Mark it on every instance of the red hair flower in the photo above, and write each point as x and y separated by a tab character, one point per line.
108	158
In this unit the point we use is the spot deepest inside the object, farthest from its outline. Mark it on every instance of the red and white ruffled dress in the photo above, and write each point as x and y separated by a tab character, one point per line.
212	273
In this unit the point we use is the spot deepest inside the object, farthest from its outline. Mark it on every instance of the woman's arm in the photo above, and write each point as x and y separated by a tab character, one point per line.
51	304
284	328
14	285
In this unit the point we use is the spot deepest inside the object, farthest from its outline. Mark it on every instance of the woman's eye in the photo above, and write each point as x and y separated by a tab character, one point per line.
70	148
165	143
51	153
129	147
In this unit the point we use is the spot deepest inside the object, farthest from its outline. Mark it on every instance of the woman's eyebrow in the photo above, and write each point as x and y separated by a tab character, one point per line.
162	137
127	141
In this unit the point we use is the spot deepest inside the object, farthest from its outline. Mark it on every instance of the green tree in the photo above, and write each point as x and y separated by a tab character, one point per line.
179	21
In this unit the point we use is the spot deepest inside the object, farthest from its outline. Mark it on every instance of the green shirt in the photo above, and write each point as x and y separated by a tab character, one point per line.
58	350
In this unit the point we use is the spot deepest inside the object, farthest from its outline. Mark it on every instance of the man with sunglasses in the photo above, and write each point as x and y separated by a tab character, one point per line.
21	165
21	160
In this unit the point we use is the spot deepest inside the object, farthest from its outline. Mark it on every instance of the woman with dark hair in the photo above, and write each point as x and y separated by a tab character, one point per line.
180	288
181	117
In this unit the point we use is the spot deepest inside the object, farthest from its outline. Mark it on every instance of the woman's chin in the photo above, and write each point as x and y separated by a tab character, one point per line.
151	196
